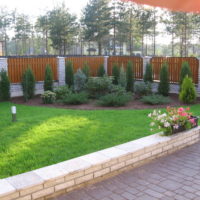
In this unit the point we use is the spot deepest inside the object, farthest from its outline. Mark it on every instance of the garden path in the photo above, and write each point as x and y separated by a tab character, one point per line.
173	177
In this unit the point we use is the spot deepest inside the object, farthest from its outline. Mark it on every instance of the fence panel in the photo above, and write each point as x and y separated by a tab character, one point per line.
175	64
17	66
93	61
123	60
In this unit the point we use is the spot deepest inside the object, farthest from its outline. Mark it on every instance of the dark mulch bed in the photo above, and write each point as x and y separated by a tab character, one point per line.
135	104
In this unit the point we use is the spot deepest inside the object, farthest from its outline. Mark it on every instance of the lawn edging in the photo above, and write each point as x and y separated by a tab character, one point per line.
72	174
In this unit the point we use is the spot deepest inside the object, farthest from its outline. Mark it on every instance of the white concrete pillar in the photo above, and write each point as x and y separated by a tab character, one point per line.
106	64
4	64
61	70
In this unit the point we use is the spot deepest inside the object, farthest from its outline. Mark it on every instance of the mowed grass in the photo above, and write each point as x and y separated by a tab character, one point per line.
44	136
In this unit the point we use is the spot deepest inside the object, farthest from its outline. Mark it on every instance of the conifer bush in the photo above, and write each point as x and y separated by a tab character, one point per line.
48	79
129	76
122	78
28	84
185	71
69	74
101	71
163	87
148	76
86	70
115	73
4	86
80	80
188	92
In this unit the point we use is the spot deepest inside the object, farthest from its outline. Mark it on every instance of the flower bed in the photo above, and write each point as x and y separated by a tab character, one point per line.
174	120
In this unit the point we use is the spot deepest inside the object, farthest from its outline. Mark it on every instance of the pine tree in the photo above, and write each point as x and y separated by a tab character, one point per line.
28	84
101	71
148	76
188	92
69	74
185	71
115	73
4	86
48	79
129	76
163	87
122	78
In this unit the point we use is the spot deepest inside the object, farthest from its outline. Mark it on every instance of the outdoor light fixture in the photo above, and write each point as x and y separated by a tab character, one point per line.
14	112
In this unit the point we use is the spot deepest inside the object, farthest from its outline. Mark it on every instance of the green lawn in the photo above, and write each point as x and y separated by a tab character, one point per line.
44	136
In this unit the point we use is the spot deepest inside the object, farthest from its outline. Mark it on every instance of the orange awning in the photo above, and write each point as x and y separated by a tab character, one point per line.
175	5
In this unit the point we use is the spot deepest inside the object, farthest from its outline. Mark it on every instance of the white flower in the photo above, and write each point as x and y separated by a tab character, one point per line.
176	126
166	124
152	124
159	111
151	129
149	115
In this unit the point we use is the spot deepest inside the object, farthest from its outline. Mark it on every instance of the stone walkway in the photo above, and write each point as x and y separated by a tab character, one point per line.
176	176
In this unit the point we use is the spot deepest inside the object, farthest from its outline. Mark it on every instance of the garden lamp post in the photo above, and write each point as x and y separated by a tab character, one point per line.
14	112
174	5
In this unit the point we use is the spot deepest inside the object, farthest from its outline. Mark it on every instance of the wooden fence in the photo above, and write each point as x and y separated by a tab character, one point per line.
123	60
93	61
175	64
17	66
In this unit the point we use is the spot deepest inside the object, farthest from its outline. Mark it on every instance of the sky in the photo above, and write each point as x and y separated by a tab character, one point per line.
38	7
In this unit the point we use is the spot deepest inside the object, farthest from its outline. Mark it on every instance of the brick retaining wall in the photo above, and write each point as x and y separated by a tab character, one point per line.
72	174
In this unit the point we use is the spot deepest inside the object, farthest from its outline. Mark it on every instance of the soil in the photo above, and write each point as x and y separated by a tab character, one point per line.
135	104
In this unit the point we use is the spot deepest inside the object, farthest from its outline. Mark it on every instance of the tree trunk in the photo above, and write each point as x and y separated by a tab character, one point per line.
100	48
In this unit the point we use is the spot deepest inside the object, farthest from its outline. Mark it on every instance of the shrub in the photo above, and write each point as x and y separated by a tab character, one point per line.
80	80
114	100
117	89
142	89
188	92
101	71
98	86
185	71
122	78
4	86
48	79
62	91
115	73
163	87
86	70
129	76
155	99
48	97
148	76
28	84
76	98
69	74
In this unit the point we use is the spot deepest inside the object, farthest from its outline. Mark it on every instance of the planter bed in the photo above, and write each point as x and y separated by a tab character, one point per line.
71	174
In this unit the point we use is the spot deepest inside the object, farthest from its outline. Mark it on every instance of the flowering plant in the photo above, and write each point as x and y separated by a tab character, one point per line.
172	119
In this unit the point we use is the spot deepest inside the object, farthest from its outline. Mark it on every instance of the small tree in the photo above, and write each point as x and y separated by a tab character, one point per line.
115	73
86	70
122	78
48	79
101	71
188	93
163	87
80	80
4	86
69	73
185	71
28	84
148	76
129	76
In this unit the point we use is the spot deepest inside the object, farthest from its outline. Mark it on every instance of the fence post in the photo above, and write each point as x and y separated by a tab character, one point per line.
61	70
106	64
146	60
4	64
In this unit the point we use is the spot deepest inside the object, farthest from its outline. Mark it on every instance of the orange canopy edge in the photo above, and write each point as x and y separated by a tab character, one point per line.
174	5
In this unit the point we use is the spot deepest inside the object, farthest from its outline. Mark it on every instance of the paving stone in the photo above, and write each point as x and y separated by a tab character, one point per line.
167	178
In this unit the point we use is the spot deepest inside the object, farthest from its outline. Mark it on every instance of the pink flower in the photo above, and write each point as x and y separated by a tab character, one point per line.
192	121
181	109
